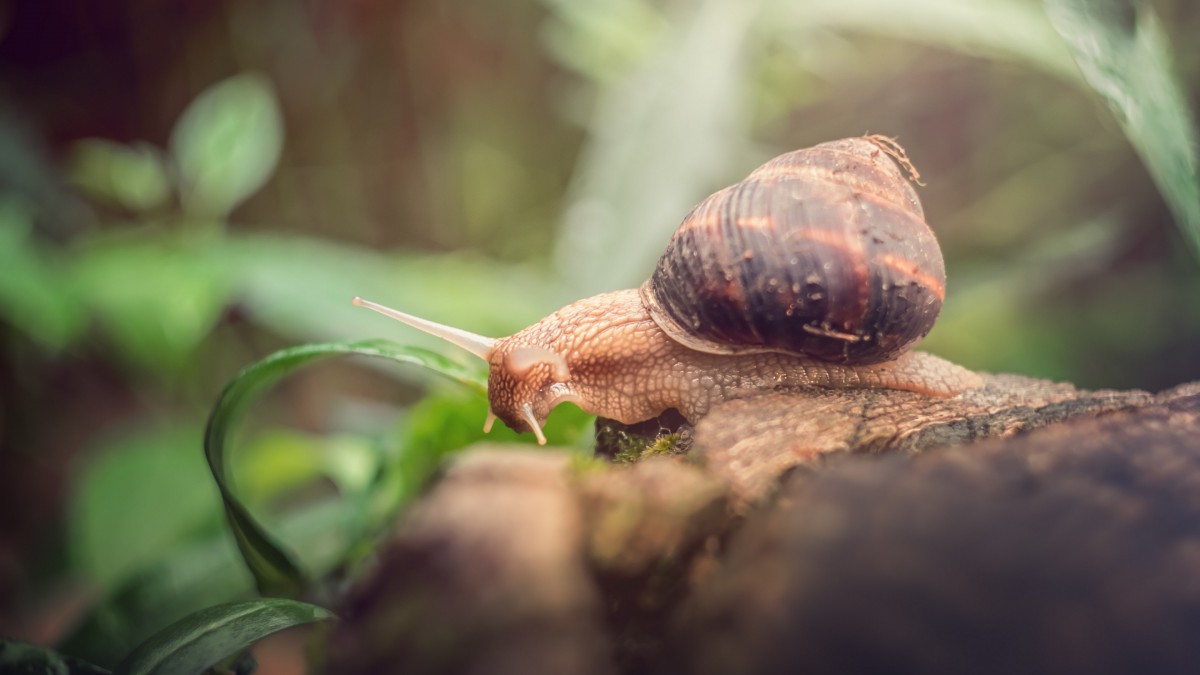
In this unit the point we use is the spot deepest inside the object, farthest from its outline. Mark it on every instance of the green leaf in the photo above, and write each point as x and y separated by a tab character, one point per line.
156	297
193	644
1123	53
144	495
278	461
203	572
445	421
33	294
273	568
450	419
192	575
133	177
227	144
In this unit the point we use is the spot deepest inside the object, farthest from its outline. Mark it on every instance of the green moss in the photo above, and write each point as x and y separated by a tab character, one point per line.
667	434
636	448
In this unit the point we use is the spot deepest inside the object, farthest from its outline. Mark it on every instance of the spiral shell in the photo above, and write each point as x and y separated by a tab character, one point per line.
822	251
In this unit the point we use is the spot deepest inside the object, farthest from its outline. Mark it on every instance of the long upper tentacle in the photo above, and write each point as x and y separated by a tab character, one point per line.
476	344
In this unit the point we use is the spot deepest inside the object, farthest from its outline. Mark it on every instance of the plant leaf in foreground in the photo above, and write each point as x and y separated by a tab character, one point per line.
274	570
196	642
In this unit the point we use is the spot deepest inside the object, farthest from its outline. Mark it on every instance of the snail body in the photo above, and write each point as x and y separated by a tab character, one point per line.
818	270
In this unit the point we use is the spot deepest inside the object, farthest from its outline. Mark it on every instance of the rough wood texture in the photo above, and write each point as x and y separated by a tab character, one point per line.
1075	549
655	512
753	441
1026	527
484	575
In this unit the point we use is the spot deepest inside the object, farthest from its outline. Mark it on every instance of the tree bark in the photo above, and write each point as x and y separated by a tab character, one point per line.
1025	526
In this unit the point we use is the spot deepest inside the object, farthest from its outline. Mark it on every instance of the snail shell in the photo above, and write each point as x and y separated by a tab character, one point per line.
822	252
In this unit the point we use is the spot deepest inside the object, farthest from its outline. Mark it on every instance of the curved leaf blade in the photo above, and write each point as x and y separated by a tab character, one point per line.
196	642
1123	53
275	572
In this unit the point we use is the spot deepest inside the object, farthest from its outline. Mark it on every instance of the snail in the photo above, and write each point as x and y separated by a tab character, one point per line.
817	270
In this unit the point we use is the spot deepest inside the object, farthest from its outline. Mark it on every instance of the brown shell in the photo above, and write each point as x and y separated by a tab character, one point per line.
822	251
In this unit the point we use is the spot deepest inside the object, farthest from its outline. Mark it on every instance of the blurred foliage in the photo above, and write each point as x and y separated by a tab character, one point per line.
200	641
1124	55
186	189
136	473
226	145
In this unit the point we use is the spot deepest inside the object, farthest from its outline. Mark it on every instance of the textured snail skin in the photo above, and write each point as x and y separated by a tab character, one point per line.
624	367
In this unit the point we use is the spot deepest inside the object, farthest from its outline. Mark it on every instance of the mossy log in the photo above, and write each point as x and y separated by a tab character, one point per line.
1023	527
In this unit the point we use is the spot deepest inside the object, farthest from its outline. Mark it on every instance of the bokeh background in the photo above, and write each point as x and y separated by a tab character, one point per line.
186	187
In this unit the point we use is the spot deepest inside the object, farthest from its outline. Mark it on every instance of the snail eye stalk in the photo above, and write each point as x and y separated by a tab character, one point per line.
476	344
527	415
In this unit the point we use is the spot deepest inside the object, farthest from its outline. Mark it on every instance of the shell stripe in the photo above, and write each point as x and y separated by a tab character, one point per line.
903	267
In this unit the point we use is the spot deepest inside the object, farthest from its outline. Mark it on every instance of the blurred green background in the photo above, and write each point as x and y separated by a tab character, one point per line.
186	187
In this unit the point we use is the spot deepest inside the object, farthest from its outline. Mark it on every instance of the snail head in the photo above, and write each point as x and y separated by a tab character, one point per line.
525	382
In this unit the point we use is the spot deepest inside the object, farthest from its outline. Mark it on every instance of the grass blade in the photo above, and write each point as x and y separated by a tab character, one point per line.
1122	52
274	570
660	137
196	642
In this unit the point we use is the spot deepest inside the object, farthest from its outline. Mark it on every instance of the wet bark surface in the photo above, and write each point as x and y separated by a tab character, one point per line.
1023	527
